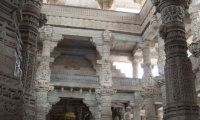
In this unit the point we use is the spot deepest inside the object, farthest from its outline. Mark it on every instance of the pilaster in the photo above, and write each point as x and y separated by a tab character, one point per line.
180	89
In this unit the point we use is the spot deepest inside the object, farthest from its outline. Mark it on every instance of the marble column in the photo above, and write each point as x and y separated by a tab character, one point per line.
105	91
150	110
136	107
44	72
180	89
148	82
147	78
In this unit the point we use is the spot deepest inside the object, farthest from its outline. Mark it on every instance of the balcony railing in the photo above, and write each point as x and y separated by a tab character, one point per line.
92	80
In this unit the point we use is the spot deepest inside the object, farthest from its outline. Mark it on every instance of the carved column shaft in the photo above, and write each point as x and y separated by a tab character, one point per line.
180	88
42	82
43	73
147	67
105	91
150	111
31	15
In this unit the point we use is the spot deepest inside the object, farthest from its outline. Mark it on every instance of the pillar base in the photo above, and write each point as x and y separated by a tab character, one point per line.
181	111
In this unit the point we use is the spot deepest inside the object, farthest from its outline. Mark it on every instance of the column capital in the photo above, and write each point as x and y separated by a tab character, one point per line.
144	44
46	34
105	4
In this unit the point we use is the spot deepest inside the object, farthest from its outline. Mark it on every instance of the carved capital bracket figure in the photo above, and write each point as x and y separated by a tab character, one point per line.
105	4
180	89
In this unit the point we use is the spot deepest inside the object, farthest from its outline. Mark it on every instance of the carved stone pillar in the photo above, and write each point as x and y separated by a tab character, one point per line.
150	111
136	113
180	88
44	72
148	82
136	107
104	93
147	79
32	20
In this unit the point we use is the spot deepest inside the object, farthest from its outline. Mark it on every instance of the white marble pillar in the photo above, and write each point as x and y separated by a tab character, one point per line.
150	111
43	72
105	91
148	82
147	78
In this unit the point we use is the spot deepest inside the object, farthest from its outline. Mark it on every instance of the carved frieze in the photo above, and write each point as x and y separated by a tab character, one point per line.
95	24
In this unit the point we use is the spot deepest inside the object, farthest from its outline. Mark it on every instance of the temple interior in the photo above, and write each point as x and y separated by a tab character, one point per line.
99	59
